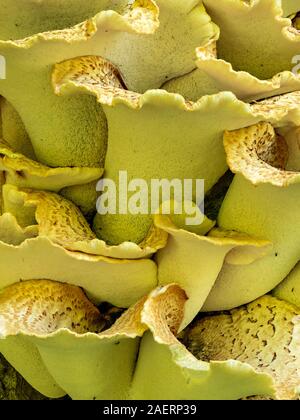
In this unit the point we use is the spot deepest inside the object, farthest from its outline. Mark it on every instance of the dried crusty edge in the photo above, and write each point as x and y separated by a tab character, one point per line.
97	76
265	334
62	222
258	152
260	155
215	75
60	328
276	108
52	319
27	173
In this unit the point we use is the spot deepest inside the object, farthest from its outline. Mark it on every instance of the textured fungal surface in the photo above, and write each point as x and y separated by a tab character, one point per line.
262	187
194	261
64	306
264	334
149	199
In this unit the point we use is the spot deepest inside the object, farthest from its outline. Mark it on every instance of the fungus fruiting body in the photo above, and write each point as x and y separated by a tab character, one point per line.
150	193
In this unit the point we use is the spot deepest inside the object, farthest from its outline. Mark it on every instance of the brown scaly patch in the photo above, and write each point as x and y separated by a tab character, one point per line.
41	307
265	334
259	154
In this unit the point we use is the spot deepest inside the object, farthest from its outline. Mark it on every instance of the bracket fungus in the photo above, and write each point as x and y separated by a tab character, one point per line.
147	128
262	200
238	61
120	282
264	334
195	261
289	289
35	242
142	344
24	172
262	56
75	121
76	132
62	223
58	334
119	120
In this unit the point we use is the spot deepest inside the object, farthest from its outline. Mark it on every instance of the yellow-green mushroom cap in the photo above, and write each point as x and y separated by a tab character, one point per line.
151	128
252	68
22	18
262	200
240	22
62	223
289	289
52	319
76	133
24	255
14	234
42	306
167	370
13	131
63	328
290	7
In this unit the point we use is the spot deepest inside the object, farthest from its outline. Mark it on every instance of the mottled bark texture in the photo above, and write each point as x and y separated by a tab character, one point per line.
13	386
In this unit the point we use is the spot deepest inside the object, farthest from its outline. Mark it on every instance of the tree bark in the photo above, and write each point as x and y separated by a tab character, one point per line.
13	386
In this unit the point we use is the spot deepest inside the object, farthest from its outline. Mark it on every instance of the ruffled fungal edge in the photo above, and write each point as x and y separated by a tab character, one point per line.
260	155
23	172
98	77
246	249
12	233
289	289
53	318
244	85
47	321
140	17
282	26
194	261
265	333
61	222
171	370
